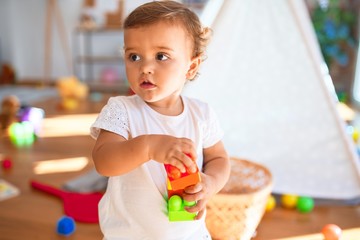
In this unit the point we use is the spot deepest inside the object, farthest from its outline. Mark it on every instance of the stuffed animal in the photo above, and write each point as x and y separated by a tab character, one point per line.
10	106
71	91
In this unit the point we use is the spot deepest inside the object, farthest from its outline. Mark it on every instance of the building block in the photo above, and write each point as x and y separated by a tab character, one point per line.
176	183
176	209
178	180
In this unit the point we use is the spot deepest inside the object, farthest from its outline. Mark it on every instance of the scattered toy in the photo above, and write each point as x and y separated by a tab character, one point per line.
331	232
65	226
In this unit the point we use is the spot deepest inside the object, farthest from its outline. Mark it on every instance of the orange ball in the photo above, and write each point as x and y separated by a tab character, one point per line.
331	232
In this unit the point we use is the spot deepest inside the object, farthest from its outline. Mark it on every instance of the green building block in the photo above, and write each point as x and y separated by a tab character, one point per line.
176	209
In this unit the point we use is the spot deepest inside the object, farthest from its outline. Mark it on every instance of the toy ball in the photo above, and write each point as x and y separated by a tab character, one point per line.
22	134
331	232
355	135
270	204
65	226
305	204
6	163
175	203
288	200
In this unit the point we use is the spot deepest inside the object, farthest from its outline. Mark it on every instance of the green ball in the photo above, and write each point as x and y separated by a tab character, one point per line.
305	204
22	134
175	203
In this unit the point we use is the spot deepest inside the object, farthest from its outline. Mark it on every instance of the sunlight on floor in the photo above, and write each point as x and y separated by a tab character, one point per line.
67	125
348	234
60	165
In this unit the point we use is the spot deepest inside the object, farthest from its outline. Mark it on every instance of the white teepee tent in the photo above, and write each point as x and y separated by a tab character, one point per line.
266	79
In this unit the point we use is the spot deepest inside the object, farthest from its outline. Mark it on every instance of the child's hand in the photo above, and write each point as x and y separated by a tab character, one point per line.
178	152
200	193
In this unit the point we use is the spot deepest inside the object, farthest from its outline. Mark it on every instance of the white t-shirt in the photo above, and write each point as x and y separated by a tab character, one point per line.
134	205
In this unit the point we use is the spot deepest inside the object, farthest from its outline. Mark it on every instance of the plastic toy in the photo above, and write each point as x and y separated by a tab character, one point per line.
289	201
355	135
179	180
6	163
83	207
22	134
331	232
65	226
305	204
176	183
270	204
34	116
176	209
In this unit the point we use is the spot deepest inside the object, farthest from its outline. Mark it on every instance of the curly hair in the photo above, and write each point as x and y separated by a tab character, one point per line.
175	13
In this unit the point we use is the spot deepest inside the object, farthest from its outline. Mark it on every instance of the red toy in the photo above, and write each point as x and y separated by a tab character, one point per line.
83	207
6	163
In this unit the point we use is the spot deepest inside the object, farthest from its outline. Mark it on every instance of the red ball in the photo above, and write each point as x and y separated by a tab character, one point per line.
331	232
6	163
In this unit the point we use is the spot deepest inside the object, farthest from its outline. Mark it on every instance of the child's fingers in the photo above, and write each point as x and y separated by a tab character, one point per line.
189	163
193	189
200	214
200	205
182	162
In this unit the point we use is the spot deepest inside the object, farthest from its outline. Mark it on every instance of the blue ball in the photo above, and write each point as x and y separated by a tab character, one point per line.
65	226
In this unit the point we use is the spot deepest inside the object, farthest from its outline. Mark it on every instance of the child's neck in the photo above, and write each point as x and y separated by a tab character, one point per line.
169	109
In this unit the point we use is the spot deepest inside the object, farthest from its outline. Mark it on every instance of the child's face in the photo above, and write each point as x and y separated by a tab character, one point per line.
158	60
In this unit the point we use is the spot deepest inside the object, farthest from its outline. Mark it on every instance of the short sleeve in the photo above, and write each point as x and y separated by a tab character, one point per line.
113	118
213	132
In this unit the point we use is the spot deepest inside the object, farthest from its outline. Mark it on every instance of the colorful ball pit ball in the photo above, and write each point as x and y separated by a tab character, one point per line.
270	204
331	232
22	134
305	204
289	201
6	163
65	226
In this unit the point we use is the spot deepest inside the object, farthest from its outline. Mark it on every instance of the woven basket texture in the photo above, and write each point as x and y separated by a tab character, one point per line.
235	212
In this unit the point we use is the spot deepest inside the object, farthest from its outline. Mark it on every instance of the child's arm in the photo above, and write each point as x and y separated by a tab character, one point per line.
114	155
215	174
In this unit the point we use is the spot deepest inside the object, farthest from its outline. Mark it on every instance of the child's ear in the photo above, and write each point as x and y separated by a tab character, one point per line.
194	67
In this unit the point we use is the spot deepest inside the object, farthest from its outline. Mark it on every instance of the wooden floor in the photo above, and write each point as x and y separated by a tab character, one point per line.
33	214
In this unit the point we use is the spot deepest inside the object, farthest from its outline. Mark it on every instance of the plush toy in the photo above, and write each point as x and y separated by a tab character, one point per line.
10	106
7	74
71	91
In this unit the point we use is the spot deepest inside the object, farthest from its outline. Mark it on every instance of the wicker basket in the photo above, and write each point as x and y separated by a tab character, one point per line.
236	211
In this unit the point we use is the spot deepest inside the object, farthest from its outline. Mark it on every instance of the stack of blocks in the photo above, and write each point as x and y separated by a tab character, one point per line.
176	183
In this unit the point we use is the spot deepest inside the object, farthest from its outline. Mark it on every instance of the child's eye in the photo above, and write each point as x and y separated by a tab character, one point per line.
161	57
134	57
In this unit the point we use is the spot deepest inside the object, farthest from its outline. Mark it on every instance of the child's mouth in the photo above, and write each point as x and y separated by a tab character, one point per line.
147	85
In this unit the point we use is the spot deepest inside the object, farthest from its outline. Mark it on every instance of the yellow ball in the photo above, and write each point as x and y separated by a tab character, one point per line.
289	201
271	203
355	135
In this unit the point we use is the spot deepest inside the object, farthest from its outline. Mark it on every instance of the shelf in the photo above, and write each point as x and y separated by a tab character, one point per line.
116	87
98	29
99	59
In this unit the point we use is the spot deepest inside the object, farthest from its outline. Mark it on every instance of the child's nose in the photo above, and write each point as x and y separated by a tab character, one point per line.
147	67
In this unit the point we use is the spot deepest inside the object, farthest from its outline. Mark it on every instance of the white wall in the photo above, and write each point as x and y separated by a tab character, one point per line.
22	35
